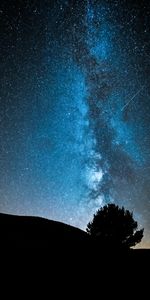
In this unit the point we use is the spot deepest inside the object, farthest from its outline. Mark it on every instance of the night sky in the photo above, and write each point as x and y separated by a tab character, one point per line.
75	108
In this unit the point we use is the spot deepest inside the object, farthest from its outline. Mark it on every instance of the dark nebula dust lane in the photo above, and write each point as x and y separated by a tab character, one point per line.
75	109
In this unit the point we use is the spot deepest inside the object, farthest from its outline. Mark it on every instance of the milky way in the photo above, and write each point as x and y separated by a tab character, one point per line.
75	108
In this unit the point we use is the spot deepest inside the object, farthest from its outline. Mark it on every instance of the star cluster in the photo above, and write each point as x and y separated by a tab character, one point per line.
75	110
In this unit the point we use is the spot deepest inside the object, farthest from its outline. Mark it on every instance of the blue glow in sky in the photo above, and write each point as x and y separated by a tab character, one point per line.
75	109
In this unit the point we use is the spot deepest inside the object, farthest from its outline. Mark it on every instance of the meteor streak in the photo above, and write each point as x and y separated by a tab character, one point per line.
133	98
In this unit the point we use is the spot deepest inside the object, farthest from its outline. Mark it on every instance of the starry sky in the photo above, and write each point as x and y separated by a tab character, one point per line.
75	108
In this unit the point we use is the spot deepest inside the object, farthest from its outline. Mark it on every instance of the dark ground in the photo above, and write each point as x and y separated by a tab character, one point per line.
42	258
29	244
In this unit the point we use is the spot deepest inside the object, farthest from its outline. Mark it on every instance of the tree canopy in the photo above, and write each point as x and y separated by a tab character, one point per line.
115	226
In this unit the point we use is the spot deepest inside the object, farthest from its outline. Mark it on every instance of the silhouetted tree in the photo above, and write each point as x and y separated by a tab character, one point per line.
115	226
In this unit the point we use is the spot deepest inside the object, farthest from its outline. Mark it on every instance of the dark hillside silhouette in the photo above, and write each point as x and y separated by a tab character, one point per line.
63	245
26	231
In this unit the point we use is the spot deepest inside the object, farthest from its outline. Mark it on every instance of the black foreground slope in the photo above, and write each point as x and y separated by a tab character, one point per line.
35	247
26	231
62	241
